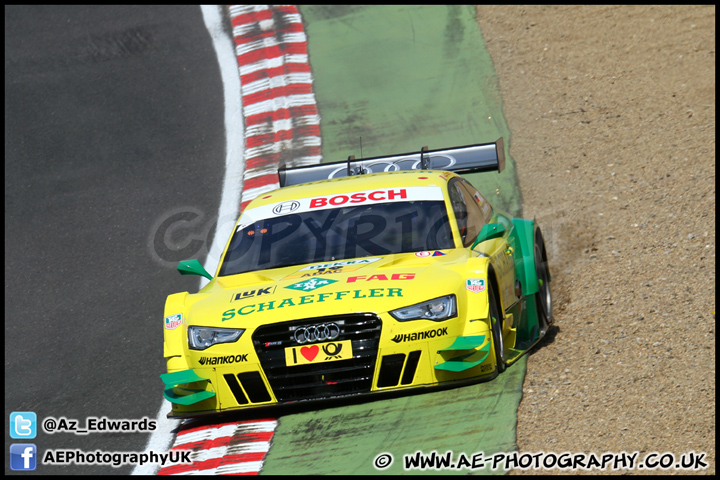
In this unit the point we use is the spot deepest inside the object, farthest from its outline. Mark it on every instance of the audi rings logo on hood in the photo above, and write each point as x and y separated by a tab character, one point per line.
317	333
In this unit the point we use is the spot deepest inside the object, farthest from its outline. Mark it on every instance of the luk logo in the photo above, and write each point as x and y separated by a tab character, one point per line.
311	284
23	425
23	456
286	207
253	293
173	321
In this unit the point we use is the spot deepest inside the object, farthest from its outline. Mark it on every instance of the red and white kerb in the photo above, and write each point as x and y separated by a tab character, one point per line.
281	117
223	449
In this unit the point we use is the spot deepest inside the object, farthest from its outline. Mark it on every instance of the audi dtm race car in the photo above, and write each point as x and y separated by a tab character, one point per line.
360	277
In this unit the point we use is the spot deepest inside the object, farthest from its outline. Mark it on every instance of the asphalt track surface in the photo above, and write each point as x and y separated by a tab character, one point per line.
113	123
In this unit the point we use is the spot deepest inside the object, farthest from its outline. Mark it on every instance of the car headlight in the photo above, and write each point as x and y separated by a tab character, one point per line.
438	309
200	338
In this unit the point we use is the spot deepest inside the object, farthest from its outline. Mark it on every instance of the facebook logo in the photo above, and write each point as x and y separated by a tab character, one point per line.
23	456
23	425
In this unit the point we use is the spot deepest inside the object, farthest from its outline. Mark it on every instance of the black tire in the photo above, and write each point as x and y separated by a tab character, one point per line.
496	320
543	295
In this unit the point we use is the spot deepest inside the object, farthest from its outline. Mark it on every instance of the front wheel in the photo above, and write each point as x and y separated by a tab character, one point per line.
496	321
543	296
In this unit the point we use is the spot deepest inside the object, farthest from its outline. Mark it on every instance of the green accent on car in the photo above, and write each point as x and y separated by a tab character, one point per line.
528	332
311	284
464	362
193	267
461	363
488	232
523	242
466	343
181	395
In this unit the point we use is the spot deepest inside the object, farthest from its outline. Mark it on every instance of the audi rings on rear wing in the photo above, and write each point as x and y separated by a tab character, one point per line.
485	157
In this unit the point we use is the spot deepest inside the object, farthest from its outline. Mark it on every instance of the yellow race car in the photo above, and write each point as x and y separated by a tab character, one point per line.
360	277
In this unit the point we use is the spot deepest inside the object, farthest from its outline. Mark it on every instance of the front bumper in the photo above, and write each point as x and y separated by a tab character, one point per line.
381	361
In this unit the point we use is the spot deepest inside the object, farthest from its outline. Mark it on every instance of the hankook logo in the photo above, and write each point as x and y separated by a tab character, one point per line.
412	337
223	360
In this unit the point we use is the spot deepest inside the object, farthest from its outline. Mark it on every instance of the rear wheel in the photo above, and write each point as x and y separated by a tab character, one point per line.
497	324
543	296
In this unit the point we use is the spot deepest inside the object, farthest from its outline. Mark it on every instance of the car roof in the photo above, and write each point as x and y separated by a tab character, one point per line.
367	182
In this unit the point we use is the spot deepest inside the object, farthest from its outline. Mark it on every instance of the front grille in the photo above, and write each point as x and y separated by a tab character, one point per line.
321	380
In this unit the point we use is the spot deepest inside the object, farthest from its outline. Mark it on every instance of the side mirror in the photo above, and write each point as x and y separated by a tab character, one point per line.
488	232
193	267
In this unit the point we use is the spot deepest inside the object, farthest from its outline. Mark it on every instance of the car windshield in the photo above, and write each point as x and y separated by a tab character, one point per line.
336	234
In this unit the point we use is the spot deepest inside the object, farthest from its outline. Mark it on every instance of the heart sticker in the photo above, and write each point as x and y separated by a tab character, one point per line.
310	352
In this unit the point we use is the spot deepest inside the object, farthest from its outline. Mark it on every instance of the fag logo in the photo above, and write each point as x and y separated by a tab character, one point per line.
475	285
173	321
394	276
311	284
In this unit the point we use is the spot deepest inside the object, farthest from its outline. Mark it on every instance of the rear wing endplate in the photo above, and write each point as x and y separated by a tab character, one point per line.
485	157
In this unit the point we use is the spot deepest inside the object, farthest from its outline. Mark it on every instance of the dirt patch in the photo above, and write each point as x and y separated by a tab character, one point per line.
612	114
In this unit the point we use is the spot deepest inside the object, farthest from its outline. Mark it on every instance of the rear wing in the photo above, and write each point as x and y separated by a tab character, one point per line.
485	157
